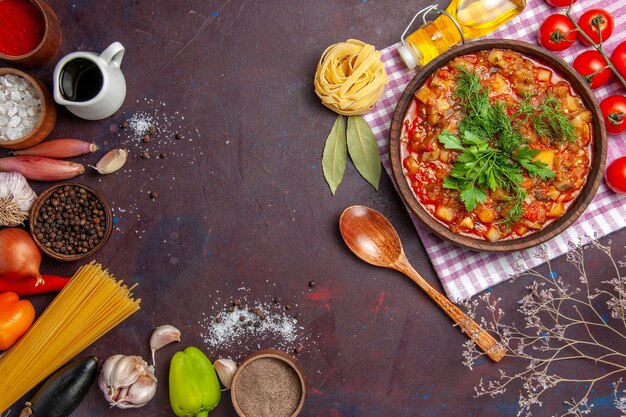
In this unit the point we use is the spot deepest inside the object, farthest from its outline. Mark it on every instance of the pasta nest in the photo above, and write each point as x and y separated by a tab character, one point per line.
350	77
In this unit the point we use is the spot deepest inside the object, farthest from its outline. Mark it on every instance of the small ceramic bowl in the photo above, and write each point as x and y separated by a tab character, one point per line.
35	211
49	45
264	355
47	119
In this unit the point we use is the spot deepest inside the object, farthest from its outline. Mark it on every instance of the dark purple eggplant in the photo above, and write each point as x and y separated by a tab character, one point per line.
64	390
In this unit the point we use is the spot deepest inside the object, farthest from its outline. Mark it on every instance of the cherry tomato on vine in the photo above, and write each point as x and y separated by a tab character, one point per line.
560	3
615	175
614	112
590	65
557	33
618	58
588	22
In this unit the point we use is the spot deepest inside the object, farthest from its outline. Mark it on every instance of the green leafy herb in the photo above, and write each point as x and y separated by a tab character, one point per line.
364	150
491	144
551	122
468	84
334	156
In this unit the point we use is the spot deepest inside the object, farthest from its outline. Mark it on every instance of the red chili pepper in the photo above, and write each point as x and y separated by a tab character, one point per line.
27	286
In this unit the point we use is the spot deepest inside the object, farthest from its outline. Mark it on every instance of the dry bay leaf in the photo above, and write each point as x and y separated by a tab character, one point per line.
334	156
364	150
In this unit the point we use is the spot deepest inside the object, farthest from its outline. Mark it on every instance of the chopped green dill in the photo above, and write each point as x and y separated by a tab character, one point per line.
468	84
493	154
551	122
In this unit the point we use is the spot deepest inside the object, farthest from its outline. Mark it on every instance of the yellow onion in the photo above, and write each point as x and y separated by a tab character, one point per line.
19	255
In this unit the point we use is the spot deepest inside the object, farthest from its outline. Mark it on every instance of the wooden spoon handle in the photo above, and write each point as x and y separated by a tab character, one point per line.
483	339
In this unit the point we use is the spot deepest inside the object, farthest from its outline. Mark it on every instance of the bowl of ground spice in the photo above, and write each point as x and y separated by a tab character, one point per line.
70	222
30	34
269	383
27	110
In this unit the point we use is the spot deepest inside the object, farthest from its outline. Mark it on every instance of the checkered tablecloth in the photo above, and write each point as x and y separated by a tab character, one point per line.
464	273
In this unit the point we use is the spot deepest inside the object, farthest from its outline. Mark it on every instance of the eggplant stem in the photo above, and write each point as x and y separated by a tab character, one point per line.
27	411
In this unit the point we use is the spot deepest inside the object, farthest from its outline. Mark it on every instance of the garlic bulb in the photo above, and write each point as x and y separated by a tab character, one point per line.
127	381
162	336
225	369
16	199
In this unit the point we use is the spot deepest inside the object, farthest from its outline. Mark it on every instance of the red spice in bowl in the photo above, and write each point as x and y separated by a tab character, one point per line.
22	27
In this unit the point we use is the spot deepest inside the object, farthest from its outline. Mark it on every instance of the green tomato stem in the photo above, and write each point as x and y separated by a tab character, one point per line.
596	46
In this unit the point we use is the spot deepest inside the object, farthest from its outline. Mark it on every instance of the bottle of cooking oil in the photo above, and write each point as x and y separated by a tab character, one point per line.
473	17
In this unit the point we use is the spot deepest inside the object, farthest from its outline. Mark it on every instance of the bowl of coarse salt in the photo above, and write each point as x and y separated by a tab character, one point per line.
27	110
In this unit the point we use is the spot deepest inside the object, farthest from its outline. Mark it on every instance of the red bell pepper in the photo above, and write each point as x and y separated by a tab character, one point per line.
28	286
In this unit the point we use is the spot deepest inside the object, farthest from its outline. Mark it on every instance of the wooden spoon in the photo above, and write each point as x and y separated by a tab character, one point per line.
373	239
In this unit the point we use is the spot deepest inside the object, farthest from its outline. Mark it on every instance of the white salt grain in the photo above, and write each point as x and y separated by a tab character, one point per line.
20	108
226	330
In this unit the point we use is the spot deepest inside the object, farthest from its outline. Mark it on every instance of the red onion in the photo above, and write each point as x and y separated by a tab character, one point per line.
19	255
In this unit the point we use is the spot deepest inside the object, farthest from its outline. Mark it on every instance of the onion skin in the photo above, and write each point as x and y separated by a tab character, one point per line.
59	148
41	169
19	255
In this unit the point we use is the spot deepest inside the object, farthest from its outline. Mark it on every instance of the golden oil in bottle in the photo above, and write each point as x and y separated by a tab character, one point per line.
474	17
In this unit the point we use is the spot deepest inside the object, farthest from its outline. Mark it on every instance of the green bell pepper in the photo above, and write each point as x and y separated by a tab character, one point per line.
194	387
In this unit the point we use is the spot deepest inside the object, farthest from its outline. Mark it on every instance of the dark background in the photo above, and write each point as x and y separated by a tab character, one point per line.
244	204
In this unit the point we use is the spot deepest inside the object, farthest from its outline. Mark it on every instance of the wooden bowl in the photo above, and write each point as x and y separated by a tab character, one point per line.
598	147
49	45
34	214
48	114
264	354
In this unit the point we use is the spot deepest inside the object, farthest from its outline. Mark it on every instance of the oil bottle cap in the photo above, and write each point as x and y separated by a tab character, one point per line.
408	56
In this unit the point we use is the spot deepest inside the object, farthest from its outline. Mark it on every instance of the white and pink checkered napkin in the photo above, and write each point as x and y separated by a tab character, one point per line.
465	273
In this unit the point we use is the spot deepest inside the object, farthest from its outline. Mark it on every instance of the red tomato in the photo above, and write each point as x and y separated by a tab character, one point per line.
560	3
614	109
615	175
557	33
588	21
618	58
590	65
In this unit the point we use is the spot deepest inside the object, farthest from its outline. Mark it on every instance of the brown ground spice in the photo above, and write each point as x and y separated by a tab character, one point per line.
268	387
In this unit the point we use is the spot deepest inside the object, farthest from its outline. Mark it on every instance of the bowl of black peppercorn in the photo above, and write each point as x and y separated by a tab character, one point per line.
70	222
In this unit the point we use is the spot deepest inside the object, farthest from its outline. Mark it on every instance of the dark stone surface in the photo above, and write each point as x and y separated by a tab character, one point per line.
245	204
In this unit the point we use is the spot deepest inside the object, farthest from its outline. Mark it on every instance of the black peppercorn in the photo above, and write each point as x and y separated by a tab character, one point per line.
61	230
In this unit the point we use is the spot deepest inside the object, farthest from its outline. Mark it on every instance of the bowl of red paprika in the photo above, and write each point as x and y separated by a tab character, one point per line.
30	34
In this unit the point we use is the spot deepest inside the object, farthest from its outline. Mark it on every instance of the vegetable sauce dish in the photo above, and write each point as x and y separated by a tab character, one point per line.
497	145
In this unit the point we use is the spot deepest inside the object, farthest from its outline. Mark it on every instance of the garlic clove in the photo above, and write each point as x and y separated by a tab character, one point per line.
127	370
225	369
162	336
106	373
138	394
112	161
